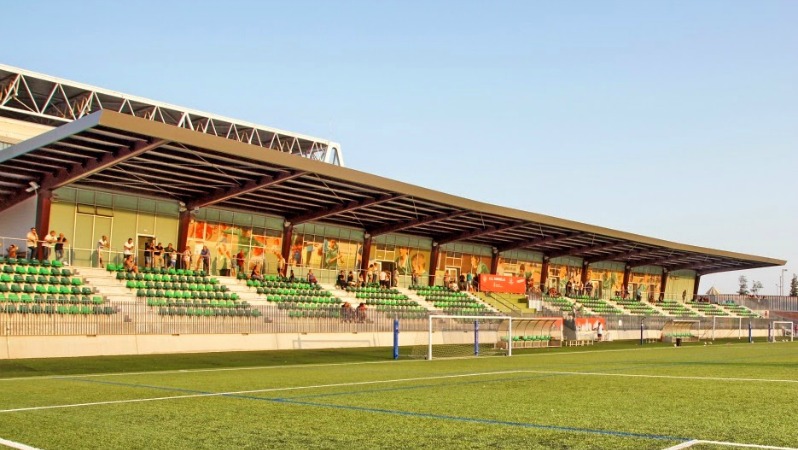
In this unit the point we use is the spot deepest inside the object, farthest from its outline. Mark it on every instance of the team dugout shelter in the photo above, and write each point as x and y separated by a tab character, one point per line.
89	162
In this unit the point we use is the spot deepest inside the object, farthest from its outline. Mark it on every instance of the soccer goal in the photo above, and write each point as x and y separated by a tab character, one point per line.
461	336
783	329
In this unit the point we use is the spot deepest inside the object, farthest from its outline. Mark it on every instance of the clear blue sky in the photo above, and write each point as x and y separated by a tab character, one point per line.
673	119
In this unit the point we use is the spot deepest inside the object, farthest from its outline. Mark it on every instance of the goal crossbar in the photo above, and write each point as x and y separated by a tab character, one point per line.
476	320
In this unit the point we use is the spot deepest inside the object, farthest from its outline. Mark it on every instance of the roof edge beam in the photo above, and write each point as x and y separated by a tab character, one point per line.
538	241
346	207
660	261
414	223
250	186
76	172
476	233
621	256
581	250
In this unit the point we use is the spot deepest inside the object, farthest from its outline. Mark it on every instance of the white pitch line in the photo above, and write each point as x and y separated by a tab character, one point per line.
16	445
258	391
666	377
311	366
689	444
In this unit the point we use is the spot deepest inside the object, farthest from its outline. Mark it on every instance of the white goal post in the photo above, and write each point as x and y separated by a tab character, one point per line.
788	330
455	335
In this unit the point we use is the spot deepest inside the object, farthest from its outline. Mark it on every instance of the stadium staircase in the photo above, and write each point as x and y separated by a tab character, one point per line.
443	300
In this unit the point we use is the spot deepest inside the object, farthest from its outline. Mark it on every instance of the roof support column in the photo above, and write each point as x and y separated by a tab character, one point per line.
285	249
627	275
544	274
365	257
663	282
183	220
433	263
44	201
695	285
584	278
494	263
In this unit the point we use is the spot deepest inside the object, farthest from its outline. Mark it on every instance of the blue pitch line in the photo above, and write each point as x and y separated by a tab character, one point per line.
483	421
404	413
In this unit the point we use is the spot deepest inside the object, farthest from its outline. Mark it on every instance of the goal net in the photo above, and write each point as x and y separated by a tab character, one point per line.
461	336
782	330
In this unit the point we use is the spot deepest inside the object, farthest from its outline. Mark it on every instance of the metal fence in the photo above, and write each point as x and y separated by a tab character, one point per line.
140	319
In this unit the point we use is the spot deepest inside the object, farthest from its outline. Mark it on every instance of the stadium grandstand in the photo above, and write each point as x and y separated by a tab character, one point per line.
172	225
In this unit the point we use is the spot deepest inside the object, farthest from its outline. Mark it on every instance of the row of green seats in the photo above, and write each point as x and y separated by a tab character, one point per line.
175	286
197	303
30	262
27	298
33	270
45	289
40	279
208	312
198	295
284	291
160	271
302	299
399	302
36	308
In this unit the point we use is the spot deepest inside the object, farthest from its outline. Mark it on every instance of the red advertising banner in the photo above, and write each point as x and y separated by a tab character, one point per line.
501	283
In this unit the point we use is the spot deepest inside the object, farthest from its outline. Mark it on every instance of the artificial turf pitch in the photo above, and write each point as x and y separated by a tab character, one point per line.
611	396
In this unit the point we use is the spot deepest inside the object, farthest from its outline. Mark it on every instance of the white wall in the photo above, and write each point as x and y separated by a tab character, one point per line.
16	222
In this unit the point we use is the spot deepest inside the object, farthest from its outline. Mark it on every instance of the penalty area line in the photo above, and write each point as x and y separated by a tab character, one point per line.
688	444
257	391
16	445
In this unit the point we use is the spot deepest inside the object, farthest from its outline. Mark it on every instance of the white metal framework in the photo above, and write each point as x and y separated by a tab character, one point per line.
468	329
34	97
788	330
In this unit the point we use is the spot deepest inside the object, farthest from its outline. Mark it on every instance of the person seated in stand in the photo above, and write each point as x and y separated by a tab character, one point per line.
130	265
312	278
291	277
350	279
361	277
256	275
347	313
12	251
341	280
361	312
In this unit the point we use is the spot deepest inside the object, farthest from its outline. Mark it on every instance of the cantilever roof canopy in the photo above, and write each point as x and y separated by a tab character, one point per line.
112	151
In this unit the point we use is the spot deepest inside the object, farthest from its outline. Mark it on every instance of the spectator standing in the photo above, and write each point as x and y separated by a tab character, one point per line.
32	240
157	254
49	242
102	245
128	249
170	256
205	257
59	247
148	247
240	261
186	258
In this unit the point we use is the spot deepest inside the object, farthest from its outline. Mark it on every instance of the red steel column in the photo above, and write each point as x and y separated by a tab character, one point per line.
695	286
285	249
544	274
627	274
433	263
663	282
183	220
366	254
44	201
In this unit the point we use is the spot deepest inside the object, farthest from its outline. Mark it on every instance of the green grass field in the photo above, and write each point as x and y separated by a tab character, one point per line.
611	396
